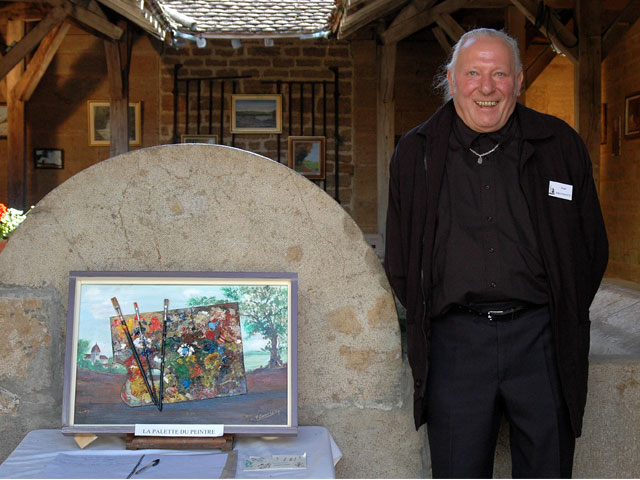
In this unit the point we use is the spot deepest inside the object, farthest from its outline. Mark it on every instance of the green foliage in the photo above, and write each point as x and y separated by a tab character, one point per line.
10	219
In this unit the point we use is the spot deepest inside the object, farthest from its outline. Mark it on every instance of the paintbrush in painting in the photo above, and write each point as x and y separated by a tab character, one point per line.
125	327
164	337
145	352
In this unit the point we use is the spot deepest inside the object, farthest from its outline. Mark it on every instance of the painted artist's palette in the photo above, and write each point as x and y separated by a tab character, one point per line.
203	354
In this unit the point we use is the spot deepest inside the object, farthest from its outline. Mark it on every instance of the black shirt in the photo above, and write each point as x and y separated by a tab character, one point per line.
485	247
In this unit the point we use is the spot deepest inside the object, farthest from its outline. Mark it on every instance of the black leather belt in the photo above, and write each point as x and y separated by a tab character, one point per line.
507	312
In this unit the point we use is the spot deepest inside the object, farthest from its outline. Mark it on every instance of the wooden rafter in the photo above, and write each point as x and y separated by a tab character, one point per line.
367	14
39	63
622	23
136	15
537	66
442	39
562	39
95	21
450	26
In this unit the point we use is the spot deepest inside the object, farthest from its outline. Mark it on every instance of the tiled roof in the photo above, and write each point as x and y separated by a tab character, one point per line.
257	17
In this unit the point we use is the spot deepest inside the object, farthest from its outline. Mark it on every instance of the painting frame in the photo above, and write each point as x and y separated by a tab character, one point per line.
632	115
99	133
307	155
276	391
256	113
198	138
4	120
48	158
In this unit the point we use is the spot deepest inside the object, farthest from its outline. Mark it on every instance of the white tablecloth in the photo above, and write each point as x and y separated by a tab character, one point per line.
40	447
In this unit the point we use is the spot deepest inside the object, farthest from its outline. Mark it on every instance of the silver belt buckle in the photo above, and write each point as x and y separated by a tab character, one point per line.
490	313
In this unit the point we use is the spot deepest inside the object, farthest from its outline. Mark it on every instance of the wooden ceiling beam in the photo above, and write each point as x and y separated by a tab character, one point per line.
96	22
442	39
622	23
450	26
33	38
134	14
420	20
557	33
40	62
537	66
367	14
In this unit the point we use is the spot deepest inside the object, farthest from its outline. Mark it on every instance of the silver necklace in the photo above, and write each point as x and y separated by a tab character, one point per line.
480	155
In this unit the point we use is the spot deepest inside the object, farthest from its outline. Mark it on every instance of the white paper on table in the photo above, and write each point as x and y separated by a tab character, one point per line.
276	462
206	465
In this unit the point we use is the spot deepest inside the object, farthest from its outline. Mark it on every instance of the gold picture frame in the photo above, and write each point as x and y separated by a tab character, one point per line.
99	118
256	113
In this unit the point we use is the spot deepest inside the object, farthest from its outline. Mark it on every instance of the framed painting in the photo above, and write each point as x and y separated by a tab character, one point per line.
632	116
48	158
187	138
4	120
100	128
256	114
307	156
189	348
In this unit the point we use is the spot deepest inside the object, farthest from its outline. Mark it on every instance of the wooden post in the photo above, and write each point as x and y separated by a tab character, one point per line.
118	56
515	23
386	60
16	165
587	78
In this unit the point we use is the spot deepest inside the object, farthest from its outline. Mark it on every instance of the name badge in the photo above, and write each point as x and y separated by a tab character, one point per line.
560	190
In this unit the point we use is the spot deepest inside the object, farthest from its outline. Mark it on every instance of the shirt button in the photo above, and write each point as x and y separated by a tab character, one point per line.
489	218
492	250
487	187
493	284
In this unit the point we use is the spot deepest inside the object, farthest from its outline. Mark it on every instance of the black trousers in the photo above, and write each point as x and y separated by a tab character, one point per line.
480	370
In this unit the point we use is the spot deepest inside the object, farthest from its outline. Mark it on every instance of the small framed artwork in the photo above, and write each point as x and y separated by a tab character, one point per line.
48	158
100	123
4	120
603	124
632	116
187	138
196	349
256	114
307	156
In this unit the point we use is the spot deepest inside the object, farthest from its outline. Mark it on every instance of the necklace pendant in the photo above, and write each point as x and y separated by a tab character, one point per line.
479	160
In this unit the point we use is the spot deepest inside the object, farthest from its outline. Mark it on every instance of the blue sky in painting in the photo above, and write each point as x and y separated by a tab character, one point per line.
96	308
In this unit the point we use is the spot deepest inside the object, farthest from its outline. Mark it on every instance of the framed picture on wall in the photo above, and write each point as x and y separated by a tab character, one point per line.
187	138
632	115
4	120
307	156
256	114
48	158
100	123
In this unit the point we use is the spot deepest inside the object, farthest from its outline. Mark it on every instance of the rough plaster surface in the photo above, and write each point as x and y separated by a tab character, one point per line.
215	208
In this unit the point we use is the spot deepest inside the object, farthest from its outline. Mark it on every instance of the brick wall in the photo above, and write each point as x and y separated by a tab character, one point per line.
620	173
288	60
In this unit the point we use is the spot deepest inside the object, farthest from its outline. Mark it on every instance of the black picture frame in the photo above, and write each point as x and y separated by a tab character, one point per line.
48	158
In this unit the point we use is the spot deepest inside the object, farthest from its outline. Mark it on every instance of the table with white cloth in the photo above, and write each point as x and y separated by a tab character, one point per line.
40	448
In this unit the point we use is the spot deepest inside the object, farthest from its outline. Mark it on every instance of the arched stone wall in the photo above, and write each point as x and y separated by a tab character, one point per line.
215	208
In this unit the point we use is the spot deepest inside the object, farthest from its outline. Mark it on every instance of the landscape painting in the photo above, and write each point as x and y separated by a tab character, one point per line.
256	114
188	348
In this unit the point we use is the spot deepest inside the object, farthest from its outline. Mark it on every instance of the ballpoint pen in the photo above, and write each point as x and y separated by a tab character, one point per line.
125	327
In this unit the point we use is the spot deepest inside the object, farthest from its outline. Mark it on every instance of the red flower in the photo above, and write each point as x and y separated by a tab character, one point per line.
3	211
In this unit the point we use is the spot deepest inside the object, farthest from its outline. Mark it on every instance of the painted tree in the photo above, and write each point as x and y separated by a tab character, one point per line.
264	312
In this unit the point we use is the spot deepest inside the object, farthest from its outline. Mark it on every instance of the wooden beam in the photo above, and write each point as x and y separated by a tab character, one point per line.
415	7
132	12
118	56
442	39
40	62
367	14
16	182
533	70
386	60
587	78
515	24
562	39
450	26
95	22
622	23
33	38
410	25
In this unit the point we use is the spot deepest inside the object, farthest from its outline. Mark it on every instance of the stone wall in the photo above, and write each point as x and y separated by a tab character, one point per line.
214	208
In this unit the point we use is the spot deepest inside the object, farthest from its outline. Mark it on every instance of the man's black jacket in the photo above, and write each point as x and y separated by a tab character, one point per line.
570	234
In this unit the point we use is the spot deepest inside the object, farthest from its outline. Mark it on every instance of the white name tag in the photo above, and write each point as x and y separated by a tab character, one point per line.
178	430
560	190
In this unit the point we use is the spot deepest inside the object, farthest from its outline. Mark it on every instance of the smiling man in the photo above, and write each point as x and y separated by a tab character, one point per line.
496	246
